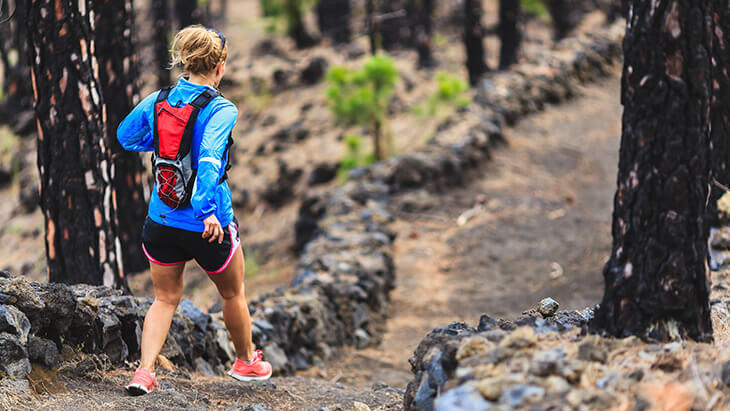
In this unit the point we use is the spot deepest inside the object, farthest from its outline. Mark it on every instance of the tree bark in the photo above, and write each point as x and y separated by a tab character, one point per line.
720	130
76	195
474	40
657	280
560	13
333	19
510	33
161	20
187	13
295	24
372	26
392	22
18	96
422	33
119	78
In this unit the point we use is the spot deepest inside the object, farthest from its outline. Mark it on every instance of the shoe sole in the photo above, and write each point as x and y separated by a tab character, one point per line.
136	390
245	378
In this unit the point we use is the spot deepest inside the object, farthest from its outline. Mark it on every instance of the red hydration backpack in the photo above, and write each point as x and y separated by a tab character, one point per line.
173	135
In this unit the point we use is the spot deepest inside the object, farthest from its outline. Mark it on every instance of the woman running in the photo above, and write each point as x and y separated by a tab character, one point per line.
190	215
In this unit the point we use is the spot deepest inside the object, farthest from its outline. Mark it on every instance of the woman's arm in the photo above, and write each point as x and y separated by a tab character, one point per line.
135	131
210	160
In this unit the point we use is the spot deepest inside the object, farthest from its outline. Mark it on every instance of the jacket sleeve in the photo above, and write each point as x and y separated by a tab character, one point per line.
210	159
135	131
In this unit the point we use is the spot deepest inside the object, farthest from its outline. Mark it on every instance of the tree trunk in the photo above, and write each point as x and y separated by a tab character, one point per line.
618	8
161	20
657	280
560	13
333	18
423	31
187	13
720	134
510	34
18	96
474	40
76	197
119	77
378	139
372	26
295	24
392	20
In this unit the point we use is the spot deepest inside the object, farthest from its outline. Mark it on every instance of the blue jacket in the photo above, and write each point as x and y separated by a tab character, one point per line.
210	137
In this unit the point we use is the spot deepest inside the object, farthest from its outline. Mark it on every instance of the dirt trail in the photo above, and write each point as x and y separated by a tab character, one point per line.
540	226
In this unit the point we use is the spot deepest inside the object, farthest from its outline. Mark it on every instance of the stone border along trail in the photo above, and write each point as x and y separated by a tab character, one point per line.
546	362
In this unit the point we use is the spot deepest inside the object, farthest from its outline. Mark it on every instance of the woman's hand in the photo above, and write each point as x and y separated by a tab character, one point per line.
213	229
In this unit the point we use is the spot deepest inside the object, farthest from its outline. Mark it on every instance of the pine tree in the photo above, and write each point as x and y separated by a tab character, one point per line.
720	134
510	34
657	280
333	19
118	76
18	96
474	40
422	31
73	160
161	19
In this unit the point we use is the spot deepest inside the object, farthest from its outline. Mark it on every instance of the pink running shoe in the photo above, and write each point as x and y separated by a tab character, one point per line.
143	382
256	370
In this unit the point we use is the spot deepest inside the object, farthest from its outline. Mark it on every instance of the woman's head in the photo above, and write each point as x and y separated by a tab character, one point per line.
201	52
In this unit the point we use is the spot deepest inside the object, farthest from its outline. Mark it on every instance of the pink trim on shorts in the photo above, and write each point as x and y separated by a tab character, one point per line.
234	247
158	262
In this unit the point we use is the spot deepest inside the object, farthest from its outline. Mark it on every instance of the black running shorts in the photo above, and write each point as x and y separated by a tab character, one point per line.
170	246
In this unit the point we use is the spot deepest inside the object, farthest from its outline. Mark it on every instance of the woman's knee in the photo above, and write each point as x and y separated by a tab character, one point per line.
169	297
229	293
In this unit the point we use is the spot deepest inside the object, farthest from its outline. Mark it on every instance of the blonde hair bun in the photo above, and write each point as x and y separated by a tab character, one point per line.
198	49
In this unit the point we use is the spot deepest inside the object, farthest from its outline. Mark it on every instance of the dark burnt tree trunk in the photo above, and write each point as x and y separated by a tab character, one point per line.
188	13
423	29
476	64
657	278
720	117
294	11
618	8
372	26
333	19
392	23
561	15
118	75
18	96
76	195
161	19
510	33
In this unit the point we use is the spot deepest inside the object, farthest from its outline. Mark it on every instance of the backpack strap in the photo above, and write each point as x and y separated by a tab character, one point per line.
161	96
227	157
204	98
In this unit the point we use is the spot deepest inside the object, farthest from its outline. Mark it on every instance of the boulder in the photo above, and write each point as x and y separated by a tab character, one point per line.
314	71
323	173
13	321
43	351
13	356
281	190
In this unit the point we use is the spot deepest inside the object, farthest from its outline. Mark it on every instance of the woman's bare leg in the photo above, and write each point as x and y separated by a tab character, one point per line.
168	283
235	309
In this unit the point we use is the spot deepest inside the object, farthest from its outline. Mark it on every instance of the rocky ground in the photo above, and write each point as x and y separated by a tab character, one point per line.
546	361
